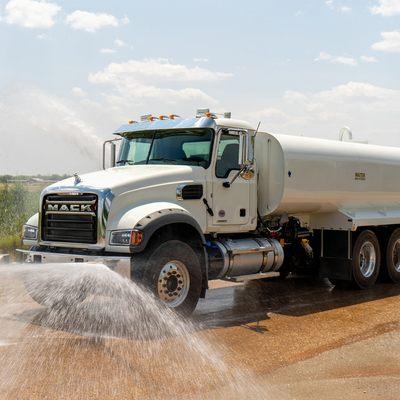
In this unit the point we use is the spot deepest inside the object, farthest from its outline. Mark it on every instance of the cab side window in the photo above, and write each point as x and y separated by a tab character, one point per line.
227	155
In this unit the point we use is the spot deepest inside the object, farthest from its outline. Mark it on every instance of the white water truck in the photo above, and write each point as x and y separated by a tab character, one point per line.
192	200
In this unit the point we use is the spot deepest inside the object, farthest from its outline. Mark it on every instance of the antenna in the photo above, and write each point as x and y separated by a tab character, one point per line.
258	127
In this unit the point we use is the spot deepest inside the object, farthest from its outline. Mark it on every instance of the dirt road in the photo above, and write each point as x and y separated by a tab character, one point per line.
294	340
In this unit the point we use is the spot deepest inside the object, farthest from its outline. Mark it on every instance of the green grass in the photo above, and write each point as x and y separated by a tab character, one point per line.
17	203
9	243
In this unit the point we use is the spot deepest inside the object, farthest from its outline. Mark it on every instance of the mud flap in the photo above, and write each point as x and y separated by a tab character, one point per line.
336	254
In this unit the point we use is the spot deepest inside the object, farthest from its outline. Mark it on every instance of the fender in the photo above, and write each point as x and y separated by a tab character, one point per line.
156	220
34	220
129	217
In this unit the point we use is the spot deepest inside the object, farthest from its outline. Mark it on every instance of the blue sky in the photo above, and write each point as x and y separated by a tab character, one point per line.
71	72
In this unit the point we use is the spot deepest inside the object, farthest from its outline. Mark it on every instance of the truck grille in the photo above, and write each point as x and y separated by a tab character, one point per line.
69	218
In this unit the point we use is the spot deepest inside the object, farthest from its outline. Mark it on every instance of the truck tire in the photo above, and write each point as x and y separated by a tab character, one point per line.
392	270
171	271
366	260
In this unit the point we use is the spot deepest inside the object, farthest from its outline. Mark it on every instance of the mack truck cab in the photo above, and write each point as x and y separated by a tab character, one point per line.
178	207
187	201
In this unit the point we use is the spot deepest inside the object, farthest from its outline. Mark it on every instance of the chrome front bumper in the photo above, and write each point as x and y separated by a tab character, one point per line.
120	264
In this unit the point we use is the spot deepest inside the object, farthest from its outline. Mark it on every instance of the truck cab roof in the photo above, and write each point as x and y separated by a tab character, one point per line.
180	123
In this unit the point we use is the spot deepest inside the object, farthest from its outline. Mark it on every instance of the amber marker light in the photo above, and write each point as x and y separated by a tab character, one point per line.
136	237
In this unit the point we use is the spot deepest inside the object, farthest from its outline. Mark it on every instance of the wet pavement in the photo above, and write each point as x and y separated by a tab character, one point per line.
296	339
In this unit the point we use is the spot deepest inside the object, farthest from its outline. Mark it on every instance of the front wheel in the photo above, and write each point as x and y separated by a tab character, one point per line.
172	272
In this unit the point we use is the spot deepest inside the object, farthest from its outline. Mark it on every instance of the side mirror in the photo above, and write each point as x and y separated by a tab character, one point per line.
246	153
113	152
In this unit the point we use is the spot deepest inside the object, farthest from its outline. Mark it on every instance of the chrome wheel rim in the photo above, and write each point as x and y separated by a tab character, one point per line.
367	259
173	283
396	255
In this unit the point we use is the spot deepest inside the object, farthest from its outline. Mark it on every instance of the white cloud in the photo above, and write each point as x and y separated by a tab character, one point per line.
155	69
31	13
386	8
345	60
79	92
338	7
371	112
119	43
107	51
323	56
148	85
90	22
356	91
368	59
125	20
390	42
200	60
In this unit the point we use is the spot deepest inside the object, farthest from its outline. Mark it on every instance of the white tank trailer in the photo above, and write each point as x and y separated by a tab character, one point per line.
187	201
302	175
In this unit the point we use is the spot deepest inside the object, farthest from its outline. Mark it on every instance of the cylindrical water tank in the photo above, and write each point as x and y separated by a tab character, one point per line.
300	175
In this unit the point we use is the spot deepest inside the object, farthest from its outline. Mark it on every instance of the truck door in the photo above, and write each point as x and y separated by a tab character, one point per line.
231	205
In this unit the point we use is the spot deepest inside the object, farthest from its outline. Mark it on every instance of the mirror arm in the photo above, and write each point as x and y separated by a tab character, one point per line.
228	184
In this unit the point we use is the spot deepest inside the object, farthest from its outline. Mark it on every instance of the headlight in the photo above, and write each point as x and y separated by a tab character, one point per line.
126	238
29	232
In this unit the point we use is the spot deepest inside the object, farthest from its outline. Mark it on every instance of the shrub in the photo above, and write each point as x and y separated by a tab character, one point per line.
16	205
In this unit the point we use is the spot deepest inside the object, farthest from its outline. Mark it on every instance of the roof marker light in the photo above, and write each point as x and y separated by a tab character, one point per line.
201	112
173	116
162	117
210	115
205	112
132	122
144	118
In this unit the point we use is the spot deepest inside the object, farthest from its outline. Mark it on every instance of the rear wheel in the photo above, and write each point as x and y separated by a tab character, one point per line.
393	257
366	260
172	272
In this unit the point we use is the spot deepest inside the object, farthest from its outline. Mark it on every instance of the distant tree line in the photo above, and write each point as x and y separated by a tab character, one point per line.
53	177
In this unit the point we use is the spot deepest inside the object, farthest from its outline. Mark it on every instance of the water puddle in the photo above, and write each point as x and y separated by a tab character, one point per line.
101	336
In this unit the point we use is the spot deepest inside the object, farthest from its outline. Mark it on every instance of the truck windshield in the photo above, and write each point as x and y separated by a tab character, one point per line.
186	147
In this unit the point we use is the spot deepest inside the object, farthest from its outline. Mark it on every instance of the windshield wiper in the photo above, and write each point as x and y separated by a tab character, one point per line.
163	159
130	162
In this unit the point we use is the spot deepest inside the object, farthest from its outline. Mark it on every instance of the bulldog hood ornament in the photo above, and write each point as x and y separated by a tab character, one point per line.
77	179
